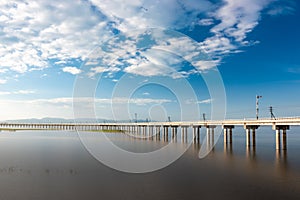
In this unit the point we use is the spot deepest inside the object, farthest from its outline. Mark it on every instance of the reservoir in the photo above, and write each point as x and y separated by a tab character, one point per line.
56	165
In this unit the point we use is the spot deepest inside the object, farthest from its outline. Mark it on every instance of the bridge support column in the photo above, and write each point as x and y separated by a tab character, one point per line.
174	132
248	140
248	129
284	142
281	142
157	132
210	135
227	137
196	133
138	131
184	133
133	129
253	138
278	142
166	133
151	133
227	133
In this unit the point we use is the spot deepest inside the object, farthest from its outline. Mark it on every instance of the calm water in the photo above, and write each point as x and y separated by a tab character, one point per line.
55	165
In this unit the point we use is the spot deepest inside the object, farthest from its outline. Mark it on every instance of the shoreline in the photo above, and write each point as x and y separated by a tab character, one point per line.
14	130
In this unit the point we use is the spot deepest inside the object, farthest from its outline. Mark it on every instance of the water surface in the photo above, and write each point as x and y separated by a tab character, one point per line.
55	165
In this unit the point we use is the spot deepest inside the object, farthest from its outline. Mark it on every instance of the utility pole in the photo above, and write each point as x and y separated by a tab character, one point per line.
271	112
204	119
257	104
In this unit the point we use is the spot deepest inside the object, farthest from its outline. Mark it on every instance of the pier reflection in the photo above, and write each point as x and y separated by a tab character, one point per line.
281	162
228	148
249	154
228	141
252	161
251	151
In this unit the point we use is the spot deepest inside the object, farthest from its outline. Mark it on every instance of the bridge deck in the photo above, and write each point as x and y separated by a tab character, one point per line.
295	121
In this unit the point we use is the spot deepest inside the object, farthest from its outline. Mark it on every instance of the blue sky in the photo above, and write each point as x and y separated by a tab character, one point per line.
149	58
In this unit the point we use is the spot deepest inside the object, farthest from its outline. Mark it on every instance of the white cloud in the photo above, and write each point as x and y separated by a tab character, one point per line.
281	11
238	18
72	70
4	93
36	31
61	62
2	81
3	70
107	69
138	101
99	70
192	101
282	8
206	22
22	92
203	65
43	75
206	101
217	45
139	14
294	70
150	69
70	30
63	107
60	31
116	100
21	109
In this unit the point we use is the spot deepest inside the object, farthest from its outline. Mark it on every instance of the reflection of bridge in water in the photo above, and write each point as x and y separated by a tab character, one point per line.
162	130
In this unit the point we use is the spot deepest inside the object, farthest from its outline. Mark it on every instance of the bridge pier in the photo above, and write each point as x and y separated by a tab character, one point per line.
134	128
248	129
227	135
210	135
157	132
174	133
150	131
196	133
281	142
184	133
166	133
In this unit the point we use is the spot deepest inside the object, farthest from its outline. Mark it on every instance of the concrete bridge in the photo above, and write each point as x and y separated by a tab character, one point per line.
150	130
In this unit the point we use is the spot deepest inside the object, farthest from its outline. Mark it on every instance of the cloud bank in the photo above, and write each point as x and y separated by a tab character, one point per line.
37	34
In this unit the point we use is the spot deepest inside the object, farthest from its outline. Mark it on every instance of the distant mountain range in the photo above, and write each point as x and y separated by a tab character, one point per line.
62	120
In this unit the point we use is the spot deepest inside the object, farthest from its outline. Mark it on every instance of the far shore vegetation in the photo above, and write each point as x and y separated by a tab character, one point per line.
27	129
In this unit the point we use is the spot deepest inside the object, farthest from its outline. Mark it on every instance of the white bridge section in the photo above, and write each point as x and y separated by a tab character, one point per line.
288	121
237	122
161	130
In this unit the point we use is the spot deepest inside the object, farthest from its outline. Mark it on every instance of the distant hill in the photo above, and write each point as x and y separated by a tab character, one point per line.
43	120
62	120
